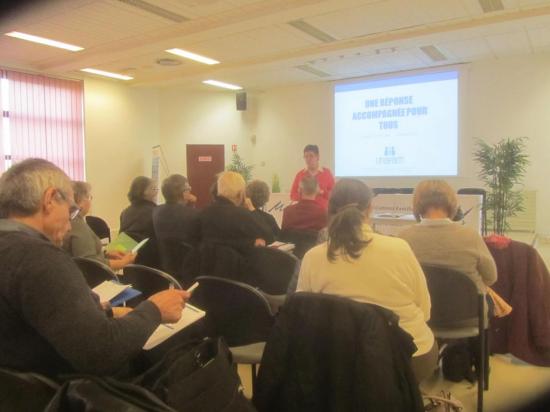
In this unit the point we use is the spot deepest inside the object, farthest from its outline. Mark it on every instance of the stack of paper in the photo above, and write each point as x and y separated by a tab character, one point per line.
190	314
287	247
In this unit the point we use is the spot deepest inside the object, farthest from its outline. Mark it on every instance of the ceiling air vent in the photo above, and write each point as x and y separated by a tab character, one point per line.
311	31
156	10
168	62
433	53
489	6
312	70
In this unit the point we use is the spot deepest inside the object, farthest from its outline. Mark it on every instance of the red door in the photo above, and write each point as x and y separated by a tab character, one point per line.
204	162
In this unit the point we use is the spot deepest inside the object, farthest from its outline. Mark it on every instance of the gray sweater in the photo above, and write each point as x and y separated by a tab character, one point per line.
51	323
445	243
81	241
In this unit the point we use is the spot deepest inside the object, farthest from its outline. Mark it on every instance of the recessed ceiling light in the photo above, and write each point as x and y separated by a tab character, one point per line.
42	40
192	56
222	84
107	74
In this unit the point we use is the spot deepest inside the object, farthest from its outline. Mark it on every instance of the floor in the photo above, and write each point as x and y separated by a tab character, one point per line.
512	383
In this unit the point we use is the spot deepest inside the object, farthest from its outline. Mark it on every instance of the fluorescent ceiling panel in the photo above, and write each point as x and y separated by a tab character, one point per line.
44	41
107	74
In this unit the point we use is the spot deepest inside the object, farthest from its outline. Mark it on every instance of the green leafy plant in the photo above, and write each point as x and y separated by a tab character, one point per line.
238	165
503	166
275	184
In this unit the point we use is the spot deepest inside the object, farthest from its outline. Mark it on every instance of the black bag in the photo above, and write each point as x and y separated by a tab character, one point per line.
94	394
27	392
197	377
458	362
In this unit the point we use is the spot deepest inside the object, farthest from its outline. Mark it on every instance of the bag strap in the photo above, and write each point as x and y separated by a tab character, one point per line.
455	403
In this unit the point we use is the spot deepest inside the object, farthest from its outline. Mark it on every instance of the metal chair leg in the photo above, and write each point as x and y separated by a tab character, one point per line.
253	369
486	361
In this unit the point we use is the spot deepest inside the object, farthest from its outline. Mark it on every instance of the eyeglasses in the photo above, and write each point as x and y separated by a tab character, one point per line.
74	210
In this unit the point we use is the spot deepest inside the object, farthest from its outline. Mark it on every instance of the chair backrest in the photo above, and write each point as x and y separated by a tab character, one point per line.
455	297
235	310
99	227
303	240
148	280
272	269
94	271
172	254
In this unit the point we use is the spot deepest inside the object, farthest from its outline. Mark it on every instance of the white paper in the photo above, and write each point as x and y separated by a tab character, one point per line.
287	247
108	290
190	314
139	245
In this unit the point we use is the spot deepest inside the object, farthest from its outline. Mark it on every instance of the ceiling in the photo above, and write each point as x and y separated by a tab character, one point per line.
267	43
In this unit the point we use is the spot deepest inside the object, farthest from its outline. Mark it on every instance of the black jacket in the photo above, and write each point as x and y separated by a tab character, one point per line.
137	220
328	353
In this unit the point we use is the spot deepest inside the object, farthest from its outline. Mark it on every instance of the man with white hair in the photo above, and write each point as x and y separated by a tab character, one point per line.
229	219
51	322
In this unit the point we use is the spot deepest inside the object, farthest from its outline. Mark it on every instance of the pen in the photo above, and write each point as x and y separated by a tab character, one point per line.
193	287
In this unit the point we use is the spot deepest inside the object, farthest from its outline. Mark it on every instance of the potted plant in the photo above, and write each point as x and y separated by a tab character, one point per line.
502	166
238	165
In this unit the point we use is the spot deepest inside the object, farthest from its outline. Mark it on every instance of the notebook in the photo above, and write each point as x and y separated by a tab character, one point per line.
189	315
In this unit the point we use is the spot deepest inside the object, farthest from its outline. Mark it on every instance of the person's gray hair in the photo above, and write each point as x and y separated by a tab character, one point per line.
231	185
81	190
173	188
258	192
434	194
23	185
309	186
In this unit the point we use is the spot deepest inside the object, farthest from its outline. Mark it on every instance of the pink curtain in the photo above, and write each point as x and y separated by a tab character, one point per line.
46	120
3	120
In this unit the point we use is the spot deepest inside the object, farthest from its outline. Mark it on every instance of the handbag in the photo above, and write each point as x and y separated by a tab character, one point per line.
94	394
197	376
444	402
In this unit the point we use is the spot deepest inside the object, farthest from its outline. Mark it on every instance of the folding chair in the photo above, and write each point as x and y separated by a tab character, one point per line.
94	272
456	302
239	313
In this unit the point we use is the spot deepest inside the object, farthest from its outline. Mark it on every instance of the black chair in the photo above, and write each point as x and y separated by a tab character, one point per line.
99	227
25	391
392	190
147	280
456	302
303	240
239	313
172	254
483	194
94	271
272	269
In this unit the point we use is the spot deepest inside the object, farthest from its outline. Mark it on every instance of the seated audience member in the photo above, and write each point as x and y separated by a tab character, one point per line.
137	219
437	240
227	220
258	193
175	219
307	214
81	241
51	322
368	267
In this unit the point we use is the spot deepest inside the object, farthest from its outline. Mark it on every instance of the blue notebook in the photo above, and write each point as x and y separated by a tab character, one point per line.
126	295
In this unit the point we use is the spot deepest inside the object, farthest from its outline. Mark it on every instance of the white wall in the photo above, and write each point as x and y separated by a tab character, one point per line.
500	98
121	127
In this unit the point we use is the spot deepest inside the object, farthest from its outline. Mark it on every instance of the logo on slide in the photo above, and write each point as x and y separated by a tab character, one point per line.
390	157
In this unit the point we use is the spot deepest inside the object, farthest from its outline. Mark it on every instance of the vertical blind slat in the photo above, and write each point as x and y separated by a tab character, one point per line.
45	121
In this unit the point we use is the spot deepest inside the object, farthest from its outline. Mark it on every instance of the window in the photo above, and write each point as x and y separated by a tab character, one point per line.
42	117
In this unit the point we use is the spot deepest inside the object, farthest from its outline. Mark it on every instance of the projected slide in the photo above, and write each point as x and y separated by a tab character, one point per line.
403	126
